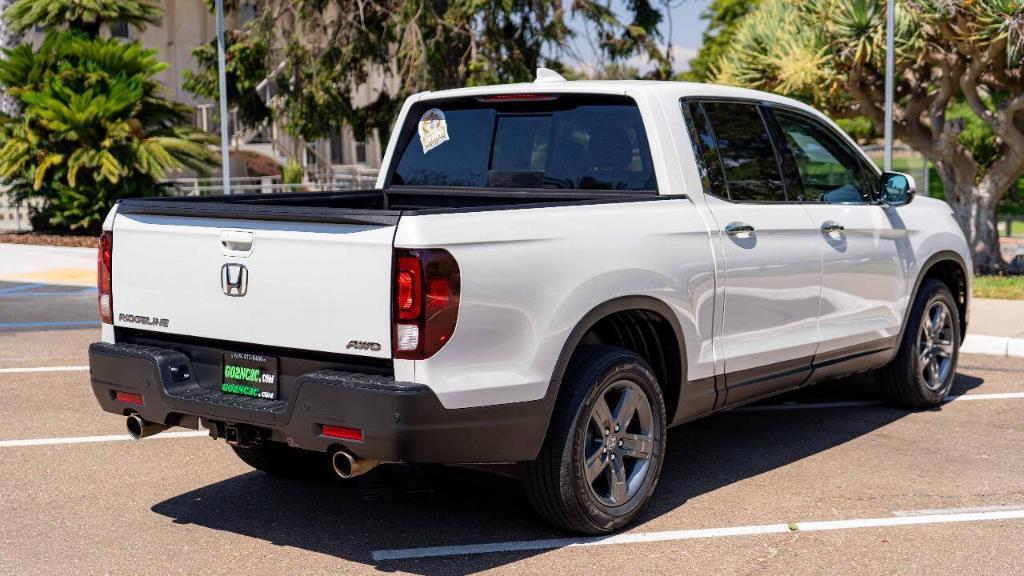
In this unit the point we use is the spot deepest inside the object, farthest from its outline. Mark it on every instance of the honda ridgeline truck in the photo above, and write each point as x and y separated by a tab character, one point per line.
550	274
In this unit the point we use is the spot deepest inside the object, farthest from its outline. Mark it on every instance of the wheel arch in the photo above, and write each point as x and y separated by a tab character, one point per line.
642	324
949	268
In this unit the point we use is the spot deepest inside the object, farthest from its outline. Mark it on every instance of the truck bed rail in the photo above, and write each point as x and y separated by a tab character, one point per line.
373	206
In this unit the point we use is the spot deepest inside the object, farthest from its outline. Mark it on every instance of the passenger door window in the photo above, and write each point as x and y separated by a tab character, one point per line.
829	169
745	151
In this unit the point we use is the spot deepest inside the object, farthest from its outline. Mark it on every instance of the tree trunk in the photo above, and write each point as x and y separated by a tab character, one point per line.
984	237
974	207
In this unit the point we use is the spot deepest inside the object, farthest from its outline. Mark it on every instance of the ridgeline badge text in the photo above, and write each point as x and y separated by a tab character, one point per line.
144	320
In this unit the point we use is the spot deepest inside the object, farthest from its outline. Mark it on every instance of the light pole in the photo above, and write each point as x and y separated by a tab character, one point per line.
222	88
890	19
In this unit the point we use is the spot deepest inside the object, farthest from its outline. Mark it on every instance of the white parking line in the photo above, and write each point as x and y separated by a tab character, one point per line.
92	439
958	510
990	396
44	369
676	535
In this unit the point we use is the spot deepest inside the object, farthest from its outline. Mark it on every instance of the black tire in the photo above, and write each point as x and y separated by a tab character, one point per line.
556	482
907	380
280	460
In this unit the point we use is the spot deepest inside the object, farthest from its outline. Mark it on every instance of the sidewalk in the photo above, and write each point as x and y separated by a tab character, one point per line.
48	265
997	318
996	328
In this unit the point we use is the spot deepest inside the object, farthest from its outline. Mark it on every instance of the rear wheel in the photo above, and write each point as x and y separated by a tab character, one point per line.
923	371
280	460
603	455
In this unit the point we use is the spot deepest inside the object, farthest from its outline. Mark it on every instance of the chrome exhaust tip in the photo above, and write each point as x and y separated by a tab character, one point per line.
139	428
347	466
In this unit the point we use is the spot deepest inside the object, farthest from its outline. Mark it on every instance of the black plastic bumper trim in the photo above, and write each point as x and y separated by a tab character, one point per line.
400	421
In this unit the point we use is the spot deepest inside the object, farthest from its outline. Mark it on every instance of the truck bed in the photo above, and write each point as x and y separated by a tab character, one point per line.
370	206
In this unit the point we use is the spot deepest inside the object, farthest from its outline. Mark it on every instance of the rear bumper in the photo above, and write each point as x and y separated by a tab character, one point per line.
400	422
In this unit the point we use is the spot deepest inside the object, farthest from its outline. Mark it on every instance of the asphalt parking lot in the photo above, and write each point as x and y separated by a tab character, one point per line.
36	306
826	480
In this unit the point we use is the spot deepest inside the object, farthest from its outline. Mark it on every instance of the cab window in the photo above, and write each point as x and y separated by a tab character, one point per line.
829	170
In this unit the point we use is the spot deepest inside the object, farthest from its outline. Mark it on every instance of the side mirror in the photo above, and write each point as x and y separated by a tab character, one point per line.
896	188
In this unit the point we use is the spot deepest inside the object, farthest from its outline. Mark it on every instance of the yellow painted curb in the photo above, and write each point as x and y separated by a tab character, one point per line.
64	276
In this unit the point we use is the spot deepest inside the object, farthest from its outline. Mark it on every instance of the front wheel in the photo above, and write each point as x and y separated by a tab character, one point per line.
923	371
603	455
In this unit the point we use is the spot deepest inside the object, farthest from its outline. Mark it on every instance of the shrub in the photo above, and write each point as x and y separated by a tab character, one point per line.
293	173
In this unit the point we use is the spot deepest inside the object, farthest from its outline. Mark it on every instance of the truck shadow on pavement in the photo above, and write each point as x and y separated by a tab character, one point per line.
411	506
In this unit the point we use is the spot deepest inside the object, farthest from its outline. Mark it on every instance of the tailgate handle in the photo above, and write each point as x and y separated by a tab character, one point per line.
235	241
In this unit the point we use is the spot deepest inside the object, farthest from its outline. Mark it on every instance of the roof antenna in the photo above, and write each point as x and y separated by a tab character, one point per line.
548	75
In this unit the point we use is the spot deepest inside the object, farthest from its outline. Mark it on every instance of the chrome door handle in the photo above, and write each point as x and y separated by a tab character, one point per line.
734	228
236	242
830	226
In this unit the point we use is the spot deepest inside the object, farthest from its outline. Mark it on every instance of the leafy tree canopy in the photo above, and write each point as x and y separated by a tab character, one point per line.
320	52
722	16
245	66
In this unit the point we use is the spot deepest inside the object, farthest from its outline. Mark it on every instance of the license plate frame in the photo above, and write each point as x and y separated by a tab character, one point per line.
253	375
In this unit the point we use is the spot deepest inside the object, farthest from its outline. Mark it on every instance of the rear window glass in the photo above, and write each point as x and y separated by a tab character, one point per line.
568	142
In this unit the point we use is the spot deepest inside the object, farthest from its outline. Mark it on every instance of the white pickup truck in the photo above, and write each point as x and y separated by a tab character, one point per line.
549	274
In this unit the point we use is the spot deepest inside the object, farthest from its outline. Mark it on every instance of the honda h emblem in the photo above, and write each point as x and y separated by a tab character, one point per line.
234	279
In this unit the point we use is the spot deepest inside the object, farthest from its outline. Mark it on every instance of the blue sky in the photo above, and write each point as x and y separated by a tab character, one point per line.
687	25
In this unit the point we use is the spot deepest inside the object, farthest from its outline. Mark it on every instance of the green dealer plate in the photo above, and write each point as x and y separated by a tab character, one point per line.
250	375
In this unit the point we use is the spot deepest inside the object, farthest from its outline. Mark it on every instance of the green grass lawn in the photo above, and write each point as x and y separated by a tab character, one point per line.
1016	230
1002	287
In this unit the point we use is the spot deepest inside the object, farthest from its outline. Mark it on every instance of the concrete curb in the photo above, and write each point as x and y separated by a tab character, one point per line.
993	345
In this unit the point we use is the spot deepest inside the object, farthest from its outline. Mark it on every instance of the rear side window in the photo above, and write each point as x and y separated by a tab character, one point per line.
745	151
567	142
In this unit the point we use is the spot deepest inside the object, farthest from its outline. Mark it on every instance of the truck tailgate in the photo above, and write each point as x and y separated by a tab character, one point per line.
305	285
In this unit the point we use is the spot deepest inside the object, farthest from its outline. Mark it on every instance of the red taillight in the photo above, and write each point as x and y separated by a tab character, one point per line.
426	302
104	265
128	398
439	294
343	433
407	288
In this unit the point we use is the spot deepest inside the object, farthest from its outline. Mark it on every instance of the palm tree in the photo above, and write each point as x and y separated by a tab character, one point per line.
78	15
93	125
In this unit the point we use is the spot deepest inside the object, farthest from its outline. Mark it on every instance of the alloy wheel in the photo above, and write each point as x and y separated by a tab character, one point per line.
935	345
619	443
